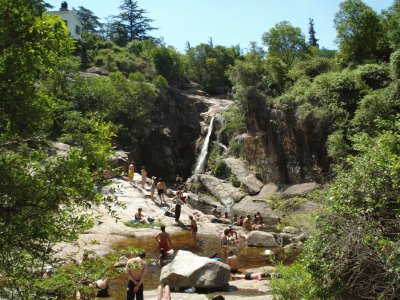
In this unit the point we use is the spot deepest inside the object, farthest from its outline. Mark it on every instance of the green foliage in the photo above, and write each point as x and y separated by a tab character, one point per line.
355	245
234	180
207	66
395	65
156	223
311	68
234	120
359	33
65	280
31	43
216	163
285	42
132	22
391	25
168	62
374	75
380	104
296	283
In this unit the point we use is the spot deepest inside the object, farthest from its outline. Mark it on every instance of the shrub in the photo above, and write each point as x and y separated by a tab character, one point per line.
395	64
234	180
374	75
296	283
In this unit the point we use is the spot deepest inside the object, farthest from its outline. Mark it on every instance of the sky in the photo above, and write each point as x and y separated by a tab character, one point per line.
228	22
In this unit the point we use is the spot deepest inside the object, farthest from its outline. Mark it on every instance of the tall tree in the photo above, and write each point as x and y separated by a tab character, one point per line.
285	42
312	40
132	17
43	200
358	32
90	22
391	18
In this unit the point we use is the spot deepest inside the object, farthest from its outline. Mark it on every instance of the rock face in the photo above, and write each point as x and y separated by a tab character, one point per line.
237	167
221	189
190	270
282	150
261	239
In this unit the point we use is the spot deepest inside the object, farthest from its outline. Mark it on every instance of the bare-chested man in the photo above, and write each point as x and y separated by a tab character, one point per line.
136	269
161	187
247	222
163	240
233	262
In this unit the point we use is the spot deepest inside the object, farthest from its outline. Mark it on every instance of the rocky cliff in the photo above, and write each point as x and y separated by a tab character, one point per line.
282	150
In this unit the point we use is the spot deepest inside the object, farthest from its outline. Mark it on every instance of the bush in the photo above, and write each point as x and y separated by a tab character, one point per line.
374	75
295	283
234	180
395	64
216	163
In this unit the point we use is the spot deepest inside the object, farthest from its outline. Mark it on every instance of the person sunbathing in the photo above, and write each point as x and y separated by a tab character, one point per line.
252	276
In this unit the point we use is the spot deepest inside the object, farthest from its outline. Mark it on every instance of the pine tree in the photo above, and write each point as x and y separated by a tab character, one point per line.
312	40
133	19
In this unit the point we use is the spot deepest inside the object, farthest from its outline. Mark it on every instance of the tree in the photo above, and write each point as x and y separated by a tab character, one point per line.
391	21
285	42
312	40
359	32
43	200
90	22
133	19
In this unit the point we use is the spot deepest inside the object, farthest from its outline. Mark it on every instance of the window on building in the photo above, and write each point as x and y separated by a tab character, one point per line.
78	29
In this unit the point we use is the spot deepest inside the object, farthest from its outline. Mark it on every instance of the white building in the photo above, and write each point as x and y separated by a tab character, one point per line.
70	19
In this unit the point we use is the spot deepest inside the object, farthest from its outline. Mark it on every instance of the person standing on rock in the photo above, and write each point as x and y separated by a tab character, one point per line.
193	229
163	240
161	187
131	172
136	269
178	204
153	187
144	176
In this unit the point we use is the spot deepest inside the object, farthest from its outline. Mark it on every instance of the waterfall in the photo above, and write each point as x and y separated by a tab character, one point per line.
201	160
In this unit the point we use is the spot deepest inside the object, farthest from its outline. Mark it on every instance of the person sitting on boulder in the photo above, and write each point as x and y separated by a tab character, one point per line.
214	211
239	221
247	223
257	226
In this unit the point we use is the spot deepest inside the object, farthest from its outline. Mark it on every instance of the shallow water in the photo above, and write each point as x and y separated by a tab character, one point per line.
249	257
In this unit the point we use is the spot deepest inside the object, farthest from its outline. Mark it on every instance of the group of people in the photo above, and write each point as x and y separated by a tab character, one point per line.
249	223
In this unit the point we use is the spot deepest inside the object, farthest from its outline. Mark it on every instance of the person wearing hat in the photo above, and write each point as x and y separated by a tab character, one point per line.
136	269
102	288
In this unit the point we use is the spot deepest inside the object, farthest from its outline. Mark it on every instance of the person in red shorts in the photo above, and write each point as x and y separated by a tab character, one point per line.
163	240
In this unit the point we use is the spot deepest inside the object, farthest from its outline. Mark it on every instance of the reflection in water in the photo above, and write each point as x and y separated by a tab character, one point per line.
249	257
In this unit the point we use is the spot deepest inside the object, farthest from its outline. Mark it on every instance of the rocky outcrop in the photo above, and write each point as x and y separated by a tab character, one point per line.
178	122
261	239
282	150
223	190
190	270
247	178
253	204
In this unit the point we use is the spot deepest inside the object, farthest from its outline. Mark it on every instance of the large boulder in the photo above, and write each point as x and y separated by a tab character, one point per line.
190	270
261	239
221	189
246	177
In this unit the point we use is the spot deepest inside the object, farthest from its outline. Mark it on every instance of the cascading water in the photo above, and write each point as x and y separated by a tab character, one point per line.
201	160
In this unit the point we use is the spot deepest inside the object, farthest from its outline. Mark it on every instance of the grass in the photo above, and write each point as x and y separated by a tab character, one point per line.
156	223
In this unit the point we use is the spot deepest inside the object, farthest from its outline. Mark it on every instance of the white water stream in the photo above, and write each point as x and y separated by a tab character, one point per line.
201	160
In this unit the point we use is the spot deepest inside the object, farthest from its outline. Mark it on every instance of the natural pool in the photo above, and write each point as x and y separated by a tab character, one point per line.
249	257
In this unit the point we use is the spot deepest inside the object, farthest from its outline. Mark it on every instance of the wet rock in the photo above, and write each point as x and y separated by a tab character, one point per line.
190	270
261	239
246	177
